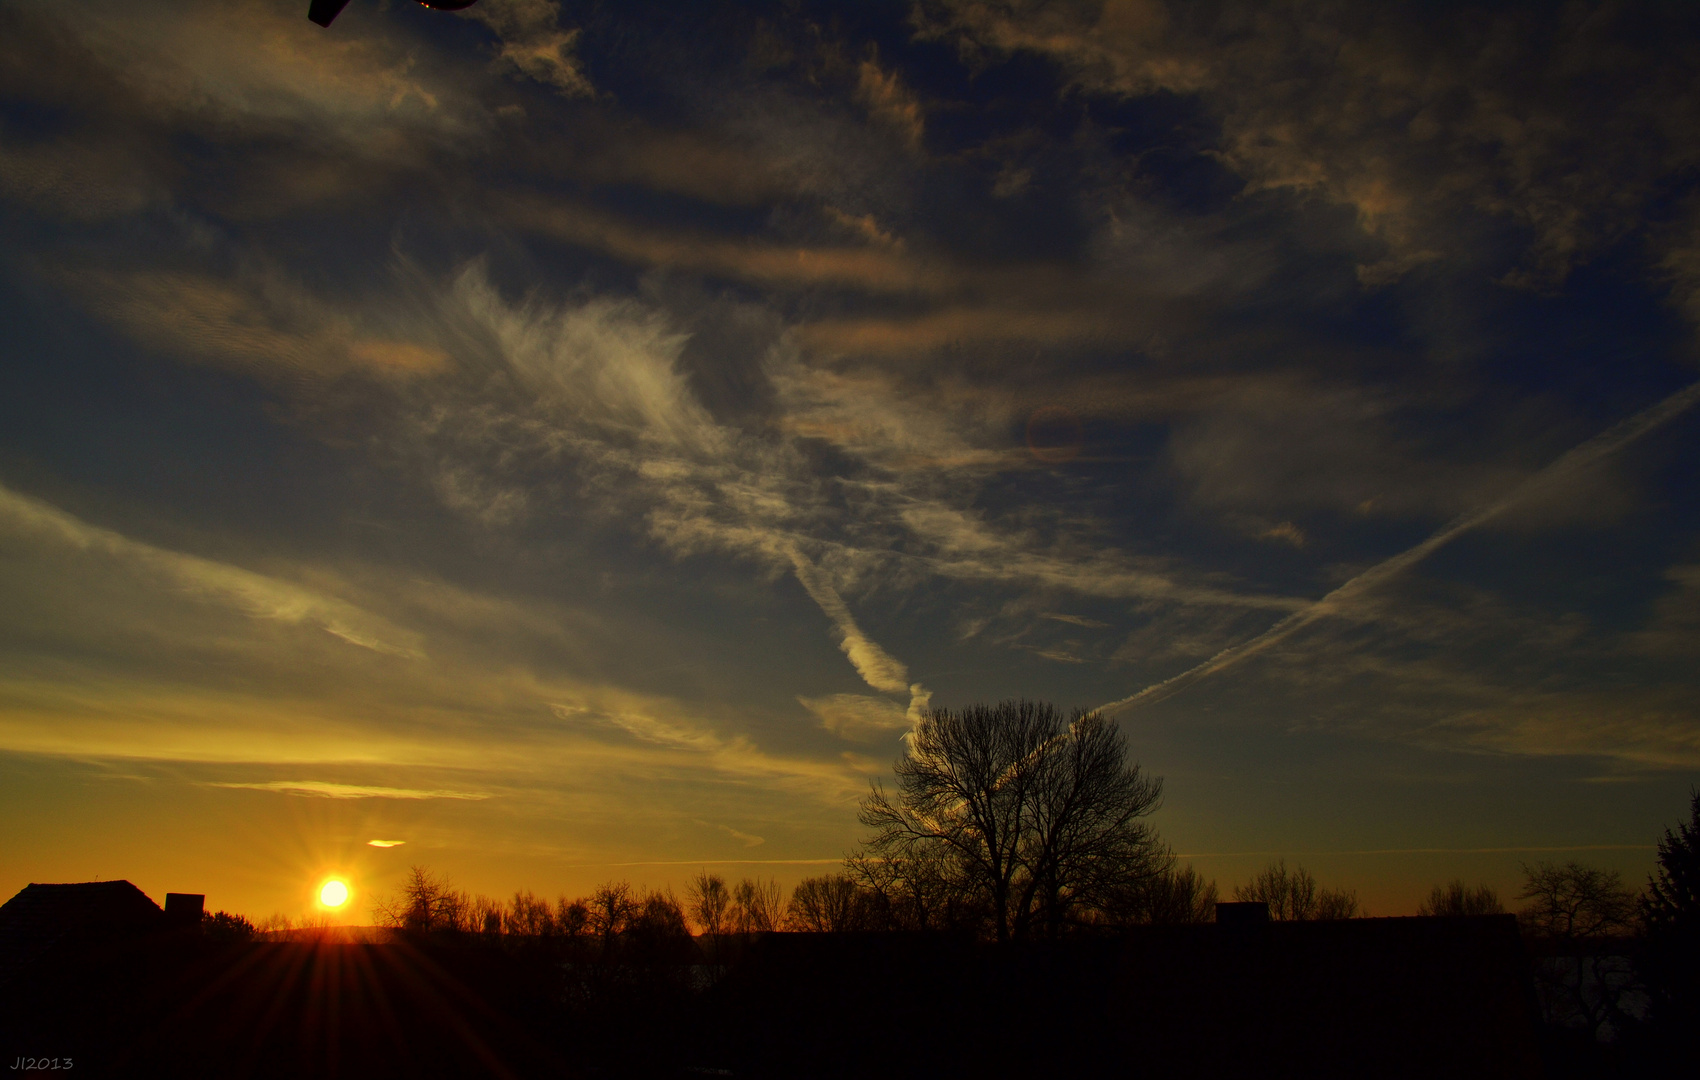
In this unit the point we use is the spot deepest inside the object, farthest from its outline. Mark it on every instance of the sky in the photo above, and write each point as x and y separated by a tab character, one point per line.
570	442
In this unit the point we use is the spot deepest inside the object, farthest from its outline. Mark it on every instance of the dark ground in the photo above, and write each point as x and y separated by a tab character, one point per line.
1365	998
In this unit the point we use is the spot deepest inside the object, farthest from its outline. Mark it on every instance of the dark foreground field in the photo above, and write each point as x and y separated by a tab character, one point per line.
1373	997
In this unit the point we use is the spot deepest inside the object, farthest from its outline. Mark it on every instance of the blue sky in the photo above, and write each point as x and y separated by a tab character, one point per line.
576	440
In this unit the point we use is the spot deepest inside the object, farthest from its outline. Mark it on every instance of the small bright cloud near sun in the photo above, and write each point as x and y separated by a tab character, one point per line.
333	893
385	843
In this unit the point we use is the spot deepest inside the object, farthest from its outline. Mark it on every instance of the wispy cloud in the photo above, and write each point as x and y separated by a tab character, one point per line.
1414	122
1636	731
256	595
367	93
79	178
890	102
605	390
859	717
534	44
261	322
1075	620
644	726
322	789
744	838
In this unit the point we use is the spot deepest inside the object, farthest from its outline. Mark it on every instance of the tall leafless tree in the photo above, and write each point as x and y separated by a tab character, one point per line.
1041	817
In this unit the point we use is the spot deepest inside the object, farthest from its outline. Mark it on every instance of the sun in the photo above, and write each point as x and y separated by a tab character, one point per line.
333	893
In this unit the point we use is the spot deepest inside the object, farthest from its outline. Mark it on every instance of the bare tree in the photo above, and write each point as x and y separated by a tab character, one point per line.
827	904
916	891
485	916
1294	896
1334	904
1577	918
530	916
658	915
572	917
1574	901
756	906
1089	843
1040	818
710	902
425	903
609	909
1177	895
278	926
1456	898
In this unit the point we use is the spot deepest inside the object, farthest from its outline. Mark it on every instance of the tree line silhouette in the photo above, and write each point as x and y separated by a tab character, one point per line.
1012	862
1012	822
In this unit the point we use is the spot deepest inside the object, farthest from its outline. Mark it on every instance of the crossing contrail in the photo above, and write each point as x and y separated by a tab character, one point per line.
1569	464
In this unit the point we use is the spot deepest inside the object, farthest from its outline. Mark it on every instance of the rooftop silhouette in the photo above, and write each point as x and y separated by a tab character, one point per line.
40	917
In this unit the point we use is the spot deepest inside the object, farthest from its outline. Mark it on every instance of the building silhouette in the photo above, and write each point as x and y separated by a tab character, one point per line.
41	918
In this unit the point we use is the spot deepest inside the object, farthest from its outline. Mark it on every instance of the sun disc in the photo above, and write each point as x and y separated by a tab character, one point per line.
333	893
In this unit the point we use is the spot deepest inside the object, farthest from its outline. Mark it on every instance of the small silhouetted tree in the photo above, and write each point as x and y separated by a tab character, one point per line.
278	926
224	926
1456	898
655	951
710	902
757	906
1293	895
916	891
608	911
1574	914
1333	904
485	916
572	918
530	916
1575	902
1178	895
425	903
827	904
1670	913
657	930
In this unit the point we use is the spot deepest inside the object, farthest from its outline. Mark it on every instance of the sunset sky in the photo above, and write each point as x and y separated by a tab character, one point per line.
574	440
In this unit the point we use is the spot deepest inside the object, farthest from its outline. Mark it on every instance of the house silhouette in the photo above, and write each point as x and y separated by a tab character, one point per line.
41	918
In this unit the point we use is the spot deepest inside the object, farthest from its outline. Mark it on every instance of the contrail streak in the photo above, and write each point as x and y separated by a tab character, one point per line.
1563	468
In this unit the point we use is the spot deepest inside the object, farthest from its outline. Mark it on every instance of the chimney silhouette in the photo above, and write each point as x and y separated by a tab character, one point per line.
184	909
